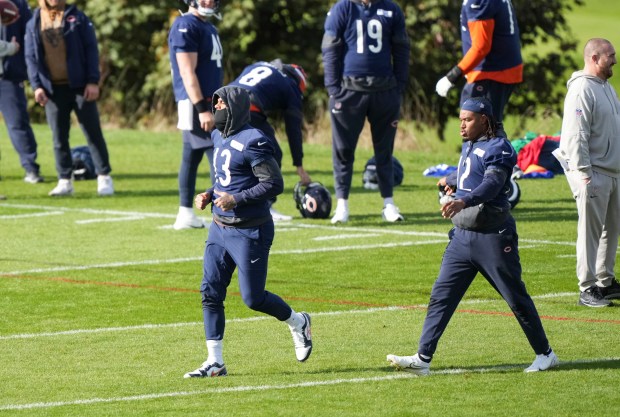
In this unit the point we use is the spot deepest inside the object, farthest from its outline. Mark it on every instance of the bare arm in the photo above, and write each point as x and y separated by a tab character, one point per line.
187	62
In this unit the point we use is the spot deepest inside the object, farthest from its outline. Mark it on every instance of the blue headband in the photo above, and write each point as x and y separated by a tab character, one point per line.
478	105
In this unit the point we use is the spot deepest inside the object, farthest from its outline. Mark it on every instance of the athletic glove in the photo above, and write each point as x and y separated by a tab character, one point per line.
443	86
447	82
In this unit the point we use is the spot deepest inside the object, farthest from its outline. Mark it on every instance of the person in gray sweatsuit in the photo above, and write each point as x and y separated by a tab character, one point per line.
590	146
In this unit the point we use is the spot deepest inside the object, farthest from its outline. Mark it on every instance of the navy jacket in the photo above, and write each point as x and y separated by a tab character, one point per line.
15	65
81	45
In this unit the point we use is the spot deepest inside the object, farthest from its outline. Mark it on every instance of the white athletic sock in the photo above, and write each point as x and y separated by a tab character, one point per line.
342	204
388	200
215	347
296	320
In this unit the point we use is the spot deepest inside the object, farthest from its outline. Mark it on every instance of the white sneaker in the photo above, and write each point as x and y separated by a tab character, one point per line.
33	178
64	187
302	339
411	364
187	220
341	216
392	214
279	217
105	185
207	370
543	362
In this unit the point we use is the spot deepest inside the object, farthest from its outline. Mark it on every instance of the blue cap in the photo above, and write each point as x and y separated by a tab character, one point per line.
478	105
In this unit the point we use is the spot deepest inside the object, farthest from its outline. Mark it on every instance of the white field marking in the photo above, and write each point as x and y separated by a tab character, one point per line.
307	384
287	224
178	260
346	236
24	216
413	233
115	219
567	256
92	211
258	318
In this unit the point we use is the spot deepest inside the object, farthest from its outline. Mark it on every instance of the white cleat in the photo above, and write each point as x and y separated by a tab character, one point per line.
105	186
207	370
543	362
392	214
279	217
302	339
341	216
412	364
64	187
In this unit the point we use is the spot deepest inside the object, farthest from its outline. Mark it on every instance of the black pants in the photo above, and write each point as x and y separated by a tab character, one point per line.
58	113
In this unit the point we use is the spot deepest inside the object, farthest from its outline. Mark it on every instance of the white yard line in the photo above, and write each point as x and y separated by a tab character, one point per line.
294	385
25	216
258	318
194	259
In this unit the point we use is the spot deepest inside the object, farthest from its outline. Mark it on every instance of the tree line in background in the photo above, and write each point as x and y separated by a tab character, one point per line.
136	81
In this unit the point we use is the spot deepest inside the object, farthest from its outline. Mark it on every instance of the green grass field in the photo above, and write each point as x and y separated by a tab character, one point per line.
100	311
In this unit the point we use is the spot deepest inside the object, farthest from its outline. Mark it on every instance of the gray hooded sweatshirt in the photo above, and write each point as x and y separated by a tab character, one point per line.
590	138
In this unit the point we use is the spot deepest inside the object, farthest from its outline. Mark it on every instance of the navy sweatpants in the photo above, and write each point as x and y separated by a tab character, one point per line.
496	256
349	110
248	250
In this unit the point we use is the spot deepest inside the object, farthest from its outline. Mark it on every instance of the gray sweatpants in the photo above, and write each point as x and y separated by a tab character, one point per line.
598	207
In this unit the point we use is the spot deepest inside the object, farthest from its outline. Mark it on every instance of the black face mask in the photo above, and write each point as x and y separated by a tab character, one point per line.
220	116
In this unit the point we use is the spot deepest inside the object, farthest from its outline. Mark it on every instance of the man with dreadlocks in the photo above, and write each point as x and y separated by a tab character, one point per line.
484	239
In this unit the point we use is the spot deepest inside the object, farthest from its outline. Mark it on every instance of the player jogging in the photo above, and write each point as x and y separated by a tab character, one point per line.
242	231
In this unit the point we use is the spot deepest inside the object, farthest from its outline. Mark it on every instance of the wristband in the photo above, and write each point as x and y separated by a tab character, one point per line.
454	74
202	106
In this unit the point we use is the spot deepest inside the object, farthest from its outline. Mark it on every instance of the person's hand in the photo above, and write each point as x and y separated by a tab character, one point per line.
91	92
40	96
201	200
304	178
15	44
443	86
452	208
225	201
207	121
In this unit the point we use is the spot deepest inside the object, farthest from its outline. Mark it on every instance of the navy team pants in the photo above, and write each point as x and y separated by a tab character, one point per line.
248	250
497	93
13	106
496	256
349	110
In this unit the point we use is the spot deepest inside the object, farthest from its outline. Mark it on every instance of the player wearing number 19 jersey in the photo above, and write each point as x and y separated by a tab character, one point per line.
366	59
242	231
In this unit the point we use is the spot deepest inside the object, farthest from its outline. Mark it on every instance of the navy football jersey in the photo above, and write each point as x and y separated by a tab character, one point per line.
233	159
368	33
190	34
476	158
269	88
505	47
